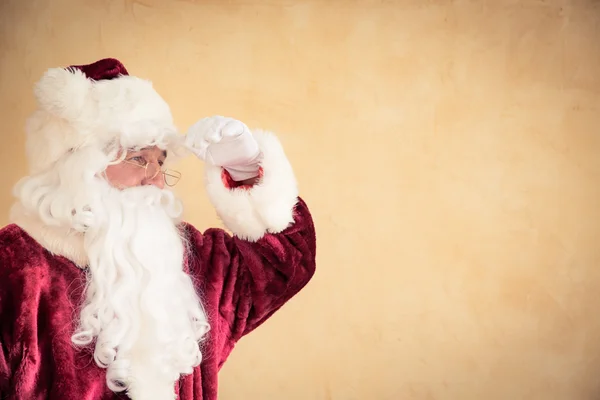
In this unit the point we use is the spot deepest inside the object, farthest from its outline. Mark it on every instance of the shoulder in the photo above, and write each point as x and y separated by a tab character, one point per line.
22	259
16	245
11	235
16	249
29	273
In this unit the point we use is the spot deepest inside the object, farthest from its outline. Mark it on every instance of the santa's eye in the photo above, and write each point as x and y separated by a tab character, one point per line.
138	160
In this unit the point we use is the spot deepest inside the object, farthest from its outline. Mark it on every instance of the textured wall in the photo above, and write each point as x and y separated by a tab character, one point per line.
449	151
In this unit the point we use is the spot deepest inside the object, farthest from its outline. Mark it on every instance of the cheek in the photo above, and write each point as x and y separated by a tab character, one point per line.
121	177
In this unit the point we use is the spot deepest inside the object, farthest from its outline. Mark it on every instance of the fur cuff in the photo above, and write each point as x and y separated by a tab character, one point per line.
266	207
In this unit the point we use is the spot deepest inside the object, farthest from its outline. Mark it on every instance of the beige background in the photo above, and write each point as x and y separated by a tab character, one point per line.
449	151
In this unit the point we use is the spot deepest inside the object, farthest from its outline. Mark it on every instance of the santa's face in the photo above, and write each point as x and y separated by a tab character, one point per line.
138	168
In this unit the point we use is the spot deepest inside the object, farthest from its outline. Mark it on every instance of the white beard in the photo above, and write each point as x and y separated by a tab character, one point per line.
141	307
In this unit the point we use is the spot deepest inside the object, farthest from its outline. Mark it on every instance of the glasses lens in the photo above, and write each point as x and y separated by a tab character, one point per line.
171	177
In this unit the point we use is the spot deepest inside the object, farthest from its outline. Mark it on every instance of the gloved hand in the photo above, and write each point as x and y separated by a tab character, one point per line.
227	143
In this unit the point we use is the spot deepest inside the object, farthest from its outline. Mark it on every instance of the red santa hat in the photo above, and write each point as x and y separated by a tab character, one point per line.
94	105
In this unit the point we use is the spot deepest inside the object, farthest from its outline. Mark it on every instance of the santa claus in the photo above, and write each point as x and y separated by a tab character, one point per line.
105	292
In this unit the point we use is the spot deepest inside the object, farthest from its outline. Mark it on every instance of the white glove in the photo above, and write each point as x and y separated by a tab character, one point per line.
225	142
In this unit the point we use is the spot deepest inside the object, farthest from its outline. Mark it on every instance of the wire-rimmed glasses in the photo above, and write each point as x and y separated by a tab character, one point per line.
152	169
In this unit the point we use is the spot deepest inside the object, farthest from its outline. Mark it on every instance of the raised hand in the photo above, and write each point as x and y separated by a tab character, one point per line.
222	141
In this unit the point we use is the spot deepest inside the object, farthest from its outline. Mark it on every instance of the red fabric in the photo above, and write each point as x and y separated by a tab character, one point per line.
107	68
232	184
242	284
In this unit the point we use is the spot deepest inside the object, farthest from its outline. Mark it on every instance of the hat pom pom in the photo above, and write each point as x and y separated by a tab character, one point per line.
63	92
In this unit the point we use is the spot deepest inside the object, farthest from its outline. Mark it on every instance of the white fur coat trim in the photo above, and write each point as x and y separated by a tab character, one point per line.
268	206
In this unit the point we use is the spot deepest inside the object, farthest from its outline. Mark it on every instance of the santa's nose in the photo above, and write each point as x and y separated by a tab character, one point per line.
157	181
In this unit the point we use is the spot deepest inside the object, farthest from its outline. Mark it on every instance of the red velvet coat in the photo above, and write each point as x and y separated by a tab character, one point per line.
242	283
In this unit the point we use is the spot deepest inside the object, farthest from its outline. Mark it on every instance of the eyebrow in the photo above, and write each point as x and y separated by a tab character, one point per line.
164	152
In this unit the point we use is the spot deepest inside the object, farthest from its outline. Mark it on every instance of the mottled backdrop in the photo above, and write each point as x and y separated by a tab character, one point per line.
449	151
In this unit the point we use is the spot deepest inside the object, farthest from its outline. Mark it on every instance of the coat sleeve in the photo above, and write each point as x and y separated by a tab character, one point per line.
269	255
250	280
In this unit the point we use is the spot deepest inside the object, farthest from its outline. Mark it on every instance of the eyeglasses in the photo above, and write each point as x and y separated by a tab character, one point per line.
153	169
